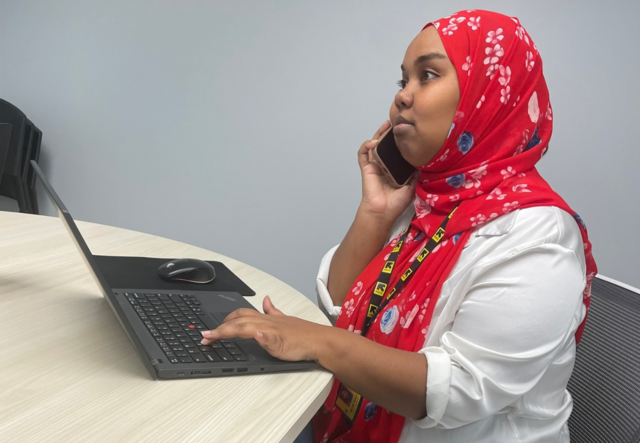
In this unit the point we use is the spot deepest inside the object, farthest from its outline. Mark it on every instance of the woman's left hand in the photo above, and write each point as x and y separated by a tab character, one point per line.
282	336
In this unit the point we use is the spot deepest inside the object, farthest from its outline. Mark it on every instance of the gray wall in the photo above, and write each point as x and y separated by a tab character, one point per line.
234	125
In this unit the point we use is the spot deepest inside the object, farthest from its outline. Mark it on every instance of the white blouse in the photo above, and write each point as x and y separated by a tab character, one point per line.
501	345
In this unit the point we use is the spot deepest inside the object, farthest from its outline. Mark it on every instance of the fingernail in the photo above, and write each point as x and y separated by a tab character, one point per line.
206	334
259	334
374	141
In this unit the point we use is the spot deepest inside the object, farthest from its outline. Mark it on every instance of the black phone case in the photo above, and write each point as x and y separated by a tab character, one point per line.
392	160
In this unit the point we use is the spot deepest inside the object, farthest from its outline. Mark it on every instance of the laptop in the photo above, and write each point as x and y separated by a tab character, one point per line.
164	326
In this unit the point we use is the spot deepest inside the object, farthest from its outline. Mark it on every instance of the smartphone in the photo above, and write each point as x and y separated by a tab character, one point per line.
393	165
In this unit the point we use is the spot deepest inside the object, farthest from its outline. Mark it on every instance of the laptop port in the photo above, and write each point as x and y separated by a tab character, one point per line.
196	372
242	369
206	372
227	370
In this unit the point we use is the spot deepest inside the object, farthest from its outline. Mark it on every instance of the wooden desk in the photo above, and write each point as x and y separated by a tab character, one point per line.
69	373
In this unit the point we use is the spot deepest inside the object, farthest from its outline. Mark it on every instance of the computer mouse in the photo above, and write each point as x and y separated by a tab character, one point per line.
187	269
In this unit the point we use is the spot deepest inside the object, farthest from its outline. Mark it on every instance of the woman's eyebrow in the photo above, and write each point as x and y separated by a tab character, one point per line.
426	58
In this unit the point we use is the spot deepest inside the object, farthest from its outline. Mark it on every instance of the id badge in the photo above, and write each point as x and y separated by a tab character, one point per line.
349	402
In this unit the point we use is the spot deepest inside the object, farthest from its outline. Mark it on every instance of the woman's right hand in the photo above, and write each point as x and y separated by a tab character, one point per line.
379	198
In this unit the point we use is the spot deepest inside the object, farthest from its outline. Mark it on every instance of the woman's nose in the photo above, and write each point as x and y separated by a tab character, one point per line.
404	98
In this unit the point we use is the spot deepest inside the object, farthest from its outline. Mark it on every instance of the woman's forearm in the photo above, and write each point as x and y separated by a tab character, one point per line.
393	379
365	239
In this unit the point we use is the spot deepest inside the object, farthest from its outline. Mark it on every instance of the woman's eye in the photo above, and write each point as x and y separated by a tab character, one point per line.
426	75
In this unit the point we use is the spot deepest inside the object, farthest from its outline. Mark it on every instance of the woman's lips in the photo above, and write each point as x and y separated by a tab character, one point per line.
402	128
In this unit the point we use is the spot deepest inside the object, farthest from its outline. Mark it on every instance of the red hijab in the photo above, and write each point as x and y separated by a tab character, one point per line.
487	165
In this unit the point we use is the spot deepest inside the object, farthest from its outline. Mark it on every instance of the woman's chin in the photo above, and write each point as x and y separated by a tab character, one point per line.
406	153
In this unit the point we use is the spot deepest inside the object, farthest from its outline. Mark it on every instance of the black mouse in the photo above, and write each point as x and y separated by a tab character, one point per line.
187	269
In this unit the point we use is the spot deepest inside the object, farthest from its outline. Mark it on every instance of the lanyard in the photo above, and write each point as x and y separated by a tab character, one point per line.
378	300
347	400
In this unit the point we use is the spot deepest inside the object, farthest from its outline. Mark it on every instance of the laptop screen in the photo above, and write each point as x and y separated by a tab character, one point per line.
111	299
68	222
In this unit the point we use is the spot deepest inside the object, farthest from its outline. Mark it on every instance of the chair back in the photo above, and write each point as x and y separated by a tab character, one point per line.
12	115
16	179
605	384
5	139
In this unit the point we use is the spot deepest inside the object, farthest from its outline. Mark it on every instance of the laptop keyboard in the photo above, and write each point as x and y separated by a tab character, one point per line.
175	322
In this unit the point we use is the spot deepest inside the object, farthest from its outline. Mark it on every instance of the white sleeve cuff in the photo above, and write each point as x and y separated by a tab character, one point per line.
438	383
324	299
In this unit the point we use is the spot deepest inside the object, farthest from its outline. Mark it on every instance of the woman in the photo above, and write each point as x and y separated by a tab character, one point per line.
474	339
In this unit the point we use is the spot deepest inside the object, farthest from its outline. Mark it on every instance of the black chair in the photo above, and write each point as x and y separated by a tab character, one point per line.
24	145
5	138
29	173
605	384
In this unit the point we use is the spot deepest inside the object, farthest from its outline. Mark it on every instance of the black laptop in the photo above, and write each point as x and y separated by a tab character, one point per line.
164	326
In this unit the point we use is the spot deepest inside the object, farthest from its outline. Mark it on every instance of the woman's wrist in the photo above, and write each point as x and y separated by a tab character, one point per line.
328	345
378	221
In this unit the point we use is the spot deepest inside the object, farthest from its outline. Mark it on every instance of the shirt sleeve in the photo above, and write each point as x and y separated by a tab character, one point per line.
325	303
518	314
